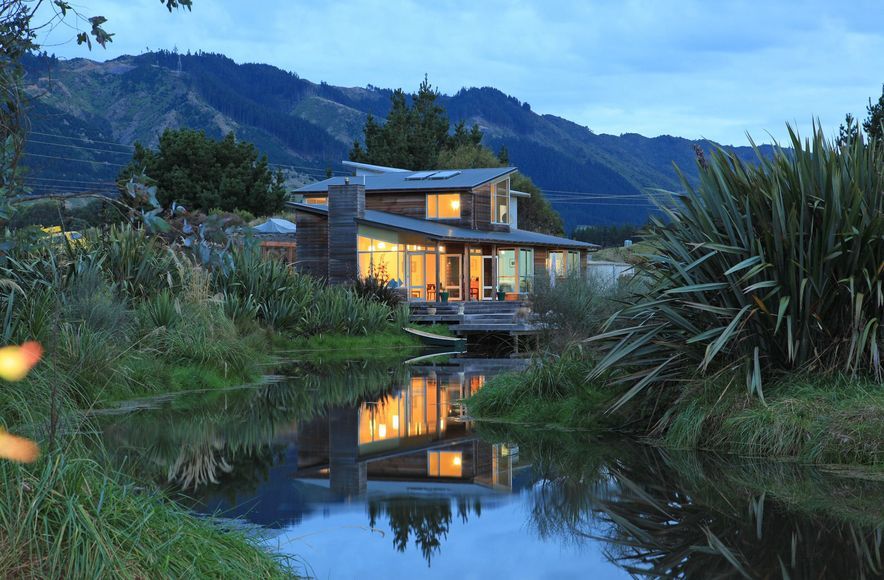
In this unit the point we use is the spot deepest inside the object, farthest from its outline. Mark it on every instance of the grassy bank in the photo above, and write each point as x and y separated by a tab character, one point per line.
552	392
67	517
823	420
816	420
125	315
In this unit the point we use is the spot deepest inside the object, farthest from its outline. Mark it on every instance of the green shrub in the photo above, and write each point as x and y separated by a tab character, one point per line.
573	309
767	267
138	262
160	310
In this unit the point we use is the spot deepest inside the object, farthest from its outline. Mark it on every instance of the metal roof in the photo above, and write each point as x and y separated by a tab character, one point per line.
399	180
442	231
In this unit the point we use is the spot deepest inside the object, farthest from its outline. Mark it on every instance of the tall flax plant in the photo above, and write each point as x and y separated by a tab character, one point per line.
767	267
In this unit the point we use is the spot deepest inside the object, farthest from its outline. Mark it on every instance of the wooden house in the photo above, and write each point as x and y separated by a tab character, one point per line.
429	232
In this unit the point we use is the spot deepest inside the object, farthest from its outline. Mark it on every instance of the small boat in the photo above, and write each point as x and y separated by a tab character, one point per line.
431	339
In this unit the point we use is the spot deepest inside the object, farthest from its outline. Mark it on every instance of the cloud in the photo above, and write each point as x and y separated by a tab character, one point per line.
686	68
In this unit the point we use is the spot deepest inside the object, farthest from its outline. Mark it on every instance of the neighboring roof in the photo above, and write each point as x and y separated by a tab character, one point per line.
416	180
441	231
373	169
275	226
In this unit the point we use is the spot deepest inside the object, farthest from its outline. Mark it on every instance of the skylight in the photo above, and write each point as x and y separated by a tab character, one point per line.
419	175
443	174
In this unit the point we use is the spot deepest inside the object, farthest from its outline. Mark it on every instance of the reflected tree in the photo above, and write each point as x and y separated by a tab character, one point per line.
426	520
685	515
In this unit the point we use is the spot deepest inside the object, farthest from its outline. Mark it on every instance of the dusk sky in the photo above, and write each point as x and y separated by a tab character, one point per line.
687	68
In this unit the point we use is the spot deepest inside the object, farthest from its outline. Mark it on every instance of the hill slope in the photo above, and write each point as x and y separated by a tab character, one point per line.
86	116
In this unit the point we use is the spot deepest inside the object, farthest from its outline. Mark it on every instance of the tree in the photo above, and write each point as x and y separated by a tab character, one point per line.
535	212
412	136
19	27
197	172
874	123
420	137
873	126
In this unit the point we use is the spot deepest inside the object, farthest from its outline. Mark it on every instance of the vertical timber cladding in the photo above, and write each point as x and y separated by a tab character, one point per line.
311	240
540	255
346	203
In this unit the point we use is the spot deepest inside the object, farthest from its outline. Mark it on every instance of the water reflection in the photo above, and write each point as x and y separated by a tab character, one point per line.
661	514
378	467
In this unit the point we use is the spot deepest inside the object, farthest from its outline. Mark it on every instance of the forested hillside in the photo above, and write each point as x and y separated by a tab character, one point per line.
87	115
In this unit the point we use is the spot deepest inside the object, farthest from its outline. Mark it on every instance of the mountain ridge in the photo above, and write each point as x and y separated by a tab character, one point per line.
87	115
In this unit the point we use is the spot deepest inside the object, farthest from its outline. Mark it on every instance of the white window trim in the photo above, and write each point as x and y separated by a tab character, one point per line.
494	203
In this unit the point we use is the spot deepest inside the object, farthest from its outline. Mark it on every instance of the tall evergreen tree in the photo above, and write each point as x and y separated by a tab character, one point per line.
200	173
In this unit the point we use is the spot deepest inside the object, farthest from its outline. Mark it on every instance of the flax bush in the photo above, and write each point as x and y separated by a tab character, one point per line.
767	267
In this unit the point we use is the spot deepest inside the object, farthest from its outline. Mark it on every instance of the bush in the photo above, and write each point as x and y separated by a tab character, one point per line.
769	267
378	290
574	309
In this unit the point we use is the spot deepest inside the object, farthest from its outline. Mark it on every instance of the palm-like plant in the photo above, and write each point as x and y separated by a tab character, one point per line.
772	266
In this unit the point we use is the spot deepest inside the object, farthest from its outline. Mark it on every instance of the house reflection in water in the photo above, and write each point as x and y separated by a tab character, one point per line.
415	434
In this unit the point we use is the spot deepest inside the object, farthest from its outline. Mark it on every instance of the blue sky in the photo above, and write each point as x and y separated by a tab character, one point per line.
714	69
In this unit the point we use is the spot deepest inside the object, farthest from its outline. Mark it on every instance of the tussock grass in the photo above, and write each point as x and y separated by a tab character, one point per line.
813	419
553	391
67	517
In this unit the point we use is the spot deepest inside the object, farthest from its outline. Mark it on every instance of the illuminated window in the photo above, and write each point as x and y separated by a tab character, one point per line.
323	200
443	206
384	260
444	463
500	202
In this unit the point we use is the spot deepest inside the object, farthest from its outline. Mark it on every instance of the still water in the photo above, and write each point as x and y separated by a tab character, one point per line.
373	471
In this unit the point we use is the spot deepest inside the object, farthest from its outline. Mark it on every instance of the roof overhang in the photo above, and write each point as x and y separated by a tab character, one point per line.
443	232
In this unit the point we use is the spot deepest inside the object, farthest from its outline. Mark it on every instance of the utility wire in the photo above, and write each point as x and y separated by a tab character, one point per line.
70	159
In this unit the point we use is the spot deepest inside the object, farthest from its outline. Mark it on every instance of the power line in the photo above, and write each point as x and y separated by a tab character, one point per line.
82	139
70	159
81	147
30	178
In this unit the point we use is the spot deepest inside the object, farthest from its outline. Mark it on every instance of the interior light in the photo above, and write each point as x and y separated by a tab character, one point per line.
441	248
456	459
455	204
395	421
382	430
382	245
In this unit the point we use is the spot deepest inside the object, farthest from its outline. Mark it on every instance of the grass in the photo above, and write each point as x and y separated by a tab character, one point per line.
329	348
551	392
813	419
67	517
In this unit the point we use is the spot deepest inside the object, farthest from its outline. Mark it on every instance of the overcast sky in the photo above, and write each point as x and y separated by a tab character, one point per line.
714	69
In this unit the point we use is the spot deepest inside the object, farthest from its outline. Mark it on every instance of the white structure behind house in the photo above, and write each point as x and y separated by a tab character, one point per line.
607	274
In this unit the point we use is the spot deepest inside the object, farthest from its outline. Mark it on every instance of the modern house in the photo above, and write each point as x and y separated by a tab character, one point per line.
430	232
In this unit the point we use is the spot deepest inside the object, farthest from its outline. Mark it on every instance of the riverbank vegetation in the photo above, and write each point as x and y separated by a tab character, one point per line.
122	313
754	327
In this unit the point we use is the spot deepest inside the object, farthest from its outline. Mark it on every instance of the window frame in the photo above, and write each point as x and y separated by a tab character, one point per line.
436	196
494	205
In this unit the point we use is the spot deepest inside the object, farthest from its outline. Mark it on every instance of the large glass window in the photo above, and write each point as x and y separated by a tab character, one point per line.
556	263
500	202
526	270
443	206
506	270
382	259
573	261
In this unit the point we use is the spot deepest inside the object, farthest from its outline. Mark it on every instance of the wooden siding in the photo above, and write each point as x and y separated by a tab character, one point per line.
402	203
311	237
414	205
345	204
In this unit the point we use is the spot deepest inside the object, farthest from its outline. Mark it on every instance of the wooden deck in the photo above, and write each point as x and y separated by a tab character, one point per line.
509	317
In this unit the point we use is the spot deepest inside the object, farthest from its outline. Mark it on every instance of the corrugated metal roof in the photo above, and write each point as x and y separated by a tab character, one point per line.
441	231
399	180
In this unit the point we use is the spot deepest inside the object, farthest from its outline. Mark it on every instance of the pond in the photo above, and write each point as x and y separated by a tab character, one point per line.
373	471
